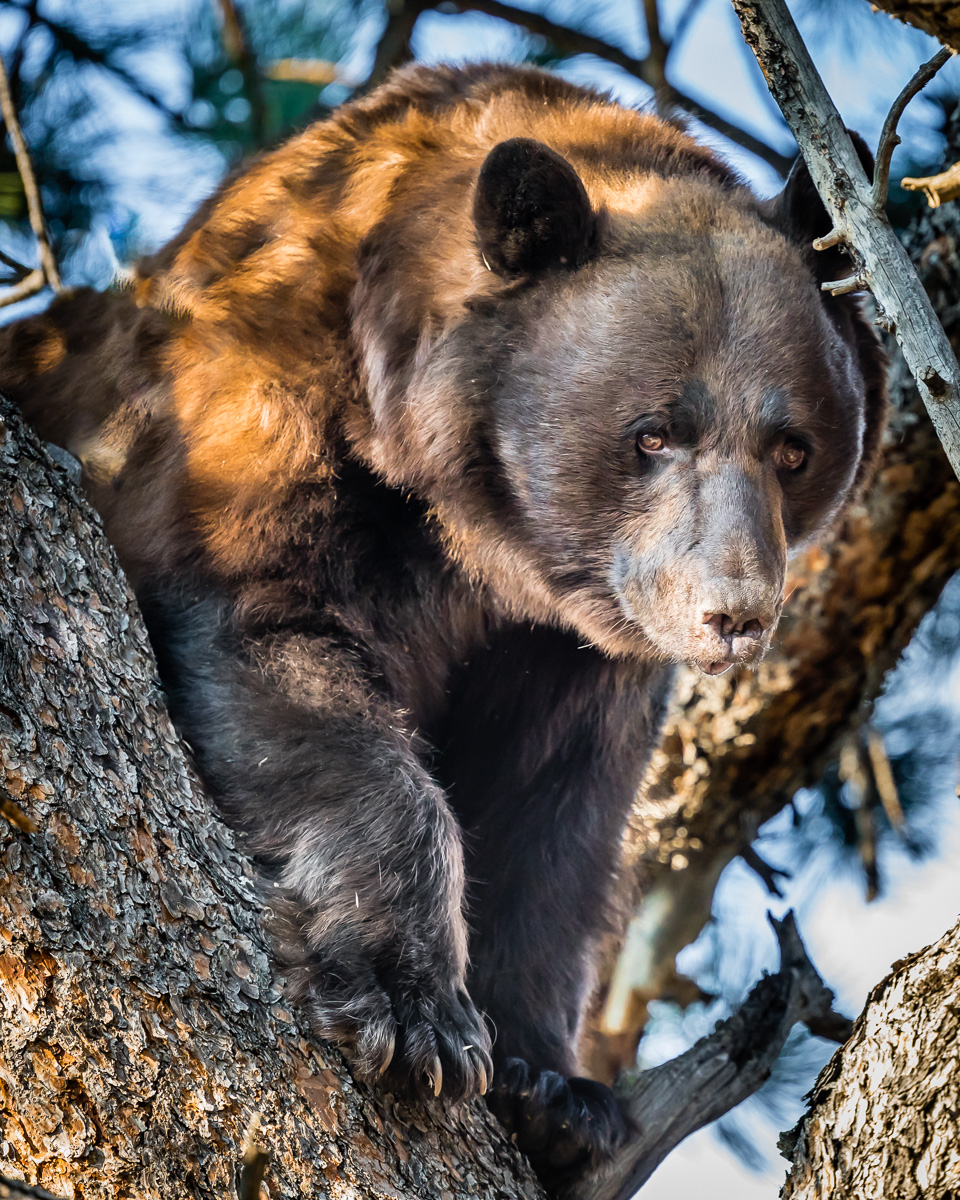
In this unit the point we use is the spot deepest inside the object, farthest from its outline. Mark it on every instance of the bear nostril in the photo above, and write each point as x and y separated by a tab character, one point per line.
728	627
720	623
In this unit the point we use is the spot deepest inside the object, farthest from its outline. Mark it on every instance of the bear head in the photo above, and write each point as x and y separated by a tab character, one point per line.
625	396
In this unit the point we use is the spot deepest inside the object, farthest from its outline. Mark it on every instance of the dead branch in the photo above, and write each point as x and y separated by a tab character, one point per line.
672	1101
303	70
880	261
241	54
659	48
14	1189
889	138
47	273
938	188
573	41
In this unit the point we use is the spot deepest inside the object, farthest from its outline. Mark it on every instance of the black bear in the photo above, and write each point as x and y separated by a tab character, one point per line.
432	442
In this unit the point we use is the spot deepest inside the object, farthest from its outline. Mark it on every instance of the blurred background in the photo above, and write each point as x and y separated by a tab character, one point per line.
134	110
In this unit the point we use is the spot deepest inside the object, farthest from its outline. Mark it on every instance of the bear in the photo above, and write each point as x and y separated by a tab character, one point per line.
430	446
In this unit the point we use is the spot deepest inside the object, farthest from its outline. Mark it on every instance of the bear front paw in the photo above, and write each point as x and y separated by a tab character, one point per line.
425	1040
562	1125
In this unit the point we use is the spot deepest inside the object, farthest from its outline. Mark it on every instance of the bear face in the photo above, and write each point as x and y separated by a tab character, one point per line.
652	402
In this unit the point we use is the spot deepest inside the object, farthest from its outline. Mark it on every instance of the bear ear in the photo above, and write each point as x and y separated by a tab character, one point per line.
799	213
531	210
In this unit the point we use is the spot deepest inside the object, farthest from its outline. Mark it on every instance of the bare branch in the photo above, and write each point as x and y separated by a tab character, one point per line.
17	268
393	47
889	138
573	41
255	1160
239	52
767	873
35	282
672	1101
659	49
303	70
938	188
883	778
880	261
15	1189
16	816
48	263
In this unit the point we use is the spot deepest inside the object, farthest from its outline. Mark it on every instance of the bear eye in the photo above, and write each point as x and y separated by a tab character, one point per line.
651	443
790	456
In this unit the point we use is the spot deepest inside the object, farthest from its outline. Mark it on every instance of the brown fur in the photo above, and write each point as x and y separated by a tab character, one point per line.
367	436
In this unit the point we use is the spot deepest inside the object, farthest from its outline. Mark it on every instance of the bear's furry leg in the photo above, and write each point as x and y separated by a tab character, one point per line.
357	840
542	757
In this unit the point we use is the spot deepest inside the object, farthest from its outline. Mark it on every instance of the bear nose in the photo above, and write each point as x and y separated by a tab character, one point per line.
738	625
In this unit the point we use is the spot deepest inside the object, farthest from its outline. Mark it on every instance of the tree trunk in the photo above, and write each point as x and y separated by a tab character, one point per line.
143	1024
883	1120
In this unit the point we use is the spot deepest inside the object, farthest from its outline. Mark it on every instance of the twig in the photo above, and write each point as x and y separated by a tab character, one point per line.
393	48
48	272
239	52
303	70
659	49
880	261
255	1160
13	1189
938	188
18	269
16	816
883	778
767	873
889	138
672	1101
572	41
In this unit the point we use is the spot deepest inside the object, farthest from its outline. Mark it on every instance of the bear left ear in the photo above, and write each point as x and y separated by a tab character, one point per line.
531	210
799	213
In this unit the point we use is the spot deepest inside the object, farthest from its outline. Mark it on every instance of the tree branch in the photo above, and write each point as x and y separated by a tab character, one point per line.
880	261
889	138
48	273
573	41
672	1101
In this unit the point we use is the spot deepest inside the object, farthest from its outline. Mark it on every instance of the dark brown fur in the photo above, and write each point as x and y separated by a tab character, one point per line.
365	436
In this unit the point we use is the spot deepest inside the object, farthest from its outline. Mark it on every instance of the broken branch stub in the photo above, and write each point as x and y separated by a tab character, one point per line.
880	261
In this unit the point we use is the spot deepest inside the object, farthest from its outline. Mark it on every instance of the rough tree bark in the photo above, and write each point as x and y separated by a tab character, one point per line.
143	1024
884	1119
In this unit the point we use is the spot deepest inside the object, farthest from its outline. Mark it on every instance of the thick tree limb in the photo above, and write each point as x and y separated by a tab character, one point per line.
880	262
670	1102
883	1114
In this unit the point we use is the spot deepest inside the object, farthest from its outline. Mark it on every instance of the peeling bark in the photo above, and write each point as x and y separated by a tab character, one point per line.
883	1120
143	1023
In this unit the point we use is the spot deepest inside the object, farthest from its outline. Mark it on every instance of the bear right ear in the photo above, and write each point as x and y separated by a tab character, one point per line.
531	210
799	213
